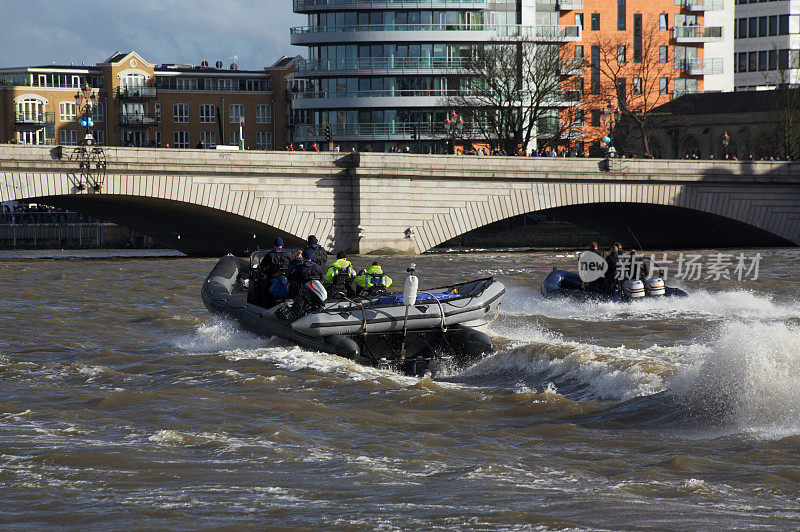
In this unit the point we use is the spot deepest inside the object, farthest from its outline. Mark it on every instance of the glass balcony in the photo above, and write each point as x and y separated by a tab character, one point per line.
570	5
139	119
136	93
701	5
537	33
30	118
391	130
700	67
301	6
698	34
383	64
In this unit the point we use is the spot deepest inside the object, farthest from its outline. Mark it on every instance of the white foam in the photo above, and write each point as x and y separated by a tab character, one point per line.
748	379
217	335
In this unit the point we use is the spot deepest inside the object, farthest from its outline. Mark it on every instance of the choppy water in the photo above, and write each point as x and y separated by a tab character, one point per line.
124	404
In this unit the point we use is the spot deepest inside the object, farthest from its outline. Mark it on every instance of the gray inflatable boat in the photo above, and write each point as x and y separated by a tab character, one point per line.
378	331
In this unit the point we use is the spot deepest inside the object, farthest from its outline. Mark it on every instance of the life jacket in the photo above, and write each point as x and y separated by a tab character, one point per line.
374	281
318	254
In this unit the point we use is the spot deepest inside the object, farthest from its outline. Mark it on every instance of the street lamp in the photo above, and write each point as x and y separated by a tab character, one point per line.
85	101
453	128
610	115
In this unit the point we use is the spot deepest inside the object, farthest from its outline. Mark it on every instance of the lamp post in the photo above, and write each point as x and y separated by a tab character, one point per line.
610	116
85	101
453	128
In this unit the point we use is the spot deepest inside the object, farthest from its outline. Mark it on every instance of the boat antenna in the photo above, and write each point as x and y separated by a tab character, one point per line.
642	250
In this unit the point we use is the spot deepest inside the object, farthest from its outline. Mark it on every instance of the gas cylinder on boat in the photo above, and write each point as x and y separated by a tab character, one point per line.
654	286
633	288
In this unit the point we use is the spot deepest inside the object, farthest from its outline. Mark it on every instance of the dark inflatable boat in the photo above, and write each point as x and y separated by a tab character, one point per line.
379	331
561	283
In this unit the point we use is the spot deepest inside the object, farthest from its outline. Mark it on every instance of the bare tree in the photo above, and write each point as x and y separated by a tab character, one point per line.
786	117
511	90
626	71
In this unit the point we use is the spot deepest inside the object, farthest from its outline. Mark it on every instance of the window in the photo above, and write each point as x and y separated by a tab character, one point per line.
773	60
69	137
621	15
762	26
783	25
67	112
663	22
208	113
263	114
773	25
180	113
742	28
637	38
263	140
579	52
158	139
762	60
752	27
98	112
99	137
752	61
622	89
235	138
663	85
637	85
741	62
157	111
685	86
595	21
579	117
579	19
595	80
595	117
579	85
236	114
209	138
30	110
181	139
621	53
663	54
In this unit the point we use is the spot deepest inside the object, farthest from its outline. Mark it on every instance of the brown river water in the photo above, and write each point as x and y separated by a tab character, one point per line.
124	404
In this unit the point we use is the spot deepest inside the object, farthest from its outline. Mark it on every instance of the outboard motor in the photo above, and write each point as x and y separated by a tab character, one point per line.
310	298
633	288
654	286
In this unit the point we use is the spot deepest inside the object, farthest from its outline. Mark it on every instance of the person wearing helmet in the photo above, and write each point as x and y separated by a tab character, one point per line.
373	281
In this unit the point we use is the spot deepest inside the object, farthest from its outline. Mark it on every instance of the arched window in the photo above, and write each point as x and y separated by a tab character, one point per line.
691	148
132	80
30	110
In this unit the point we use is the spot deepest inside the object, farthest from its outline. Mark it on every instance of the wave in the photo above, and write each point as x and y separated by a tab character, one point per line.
730	304
748	380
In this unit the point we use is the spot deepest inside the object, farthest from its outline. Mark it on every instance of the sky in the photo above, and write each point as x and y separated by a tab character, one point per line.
40	32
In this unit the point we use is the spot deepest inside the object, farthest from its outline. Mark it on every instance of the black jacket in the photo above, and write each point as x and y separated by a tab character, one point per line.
612	260
275	263
309	271
318	254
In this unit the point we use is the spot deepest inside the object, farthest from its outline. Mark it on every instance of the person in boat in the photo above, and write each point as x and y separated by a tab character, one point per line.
294	265
597	284
275	266
638	268
340	277
308	270
320	256
373	281
612	260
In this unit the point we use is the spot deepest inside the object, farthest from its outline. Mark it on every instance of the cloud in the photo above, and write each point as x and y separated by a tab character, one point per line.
162	31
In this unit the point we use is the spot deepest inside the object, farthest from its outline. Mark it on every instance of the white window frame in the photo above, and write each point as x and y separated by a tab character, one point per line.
235	112
99	137
67	111
209	138
234	137
182	139
180	113
263	113
69	137
263	140
208	113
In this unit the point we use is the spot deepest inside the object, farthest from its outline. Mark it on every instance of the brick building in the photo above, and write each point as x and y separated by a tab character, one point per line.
143	104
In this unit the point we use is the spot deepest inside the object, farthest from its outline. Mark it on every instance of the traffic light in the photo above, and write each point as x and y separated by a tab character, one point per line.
328	133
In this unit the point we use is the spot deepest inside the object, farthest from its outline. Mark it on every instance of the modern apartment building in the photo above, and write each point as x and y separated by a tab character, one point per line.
143	104
378	71
767	43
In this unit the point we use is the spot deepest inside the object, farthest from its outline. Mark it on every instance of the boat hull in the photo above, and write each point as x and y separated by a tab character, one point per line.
565	284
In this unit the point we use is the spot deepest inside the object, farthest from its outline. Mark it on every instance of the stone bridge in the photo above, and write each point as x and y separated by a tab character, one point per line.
208	202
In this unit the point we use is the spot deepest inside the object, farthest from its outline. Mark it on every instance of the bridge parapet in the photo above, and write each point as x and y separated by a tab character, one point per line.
371	202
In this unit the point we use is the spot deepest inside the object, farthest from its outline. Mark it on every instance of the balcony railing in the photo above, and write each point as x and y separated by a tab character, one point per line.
405	64
698	33
515	31
136	93
562	98
571	67
700	67
31	118
701	5
139	119
372	131
302	5
570	5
